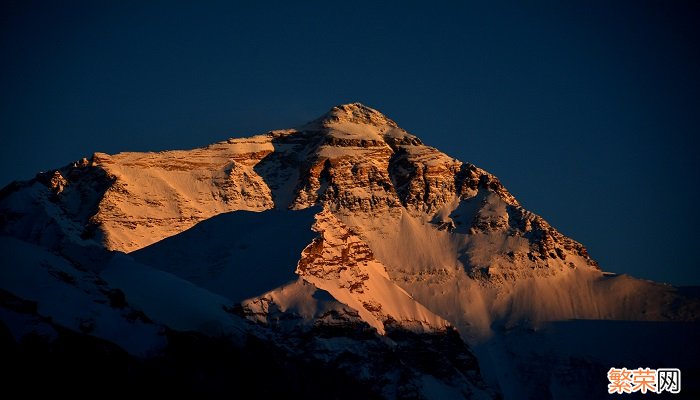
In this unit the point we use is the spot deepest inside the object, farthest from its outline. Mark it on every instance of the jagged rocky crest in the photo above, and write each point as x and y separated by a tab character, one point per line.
412	248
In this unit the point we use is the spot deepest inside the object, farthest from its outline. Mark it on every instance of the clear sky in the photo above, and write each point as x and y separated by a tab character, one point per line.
587	111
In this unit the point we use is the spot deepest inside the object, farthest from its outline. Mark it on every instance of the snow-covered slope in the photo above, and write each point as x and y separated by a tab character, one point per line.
347	227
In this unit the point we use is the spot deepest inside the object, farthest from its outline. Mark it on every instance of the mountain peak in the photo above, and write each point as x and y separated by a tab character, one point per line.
349	231
356	113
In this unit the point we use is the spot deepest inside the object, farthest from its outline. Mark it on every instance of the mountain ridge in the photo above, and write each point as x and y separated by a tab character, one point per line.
406	246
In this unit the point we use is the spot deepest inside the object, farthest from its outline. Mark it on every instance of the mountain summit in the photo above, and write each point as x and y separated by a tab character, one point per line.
356	113
341	239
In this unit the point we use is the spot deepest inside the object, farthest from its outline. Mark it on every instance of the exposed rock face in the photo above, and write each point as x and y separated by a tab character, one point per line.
339	262
57	182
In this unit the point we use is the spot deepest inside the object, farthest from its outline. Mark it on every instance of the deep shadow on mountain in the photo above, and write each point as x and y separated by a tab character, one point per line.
57	360
238	255
65	362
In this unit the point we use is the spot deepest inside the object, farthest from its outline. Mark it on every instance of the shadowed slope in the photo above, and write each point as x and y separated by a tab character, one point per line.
237	255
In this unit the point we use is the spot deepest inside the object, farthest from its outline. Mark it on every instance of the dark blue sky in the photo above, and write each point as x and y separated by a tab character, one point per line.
588	112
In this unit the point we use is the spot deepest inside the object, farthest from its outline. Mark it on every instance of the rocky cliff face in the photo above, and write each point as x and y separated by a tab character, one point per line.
412	247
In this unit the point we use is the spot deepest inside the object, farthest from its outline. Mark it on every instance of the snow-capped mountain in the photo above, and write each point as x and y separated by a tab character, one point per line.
345	244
